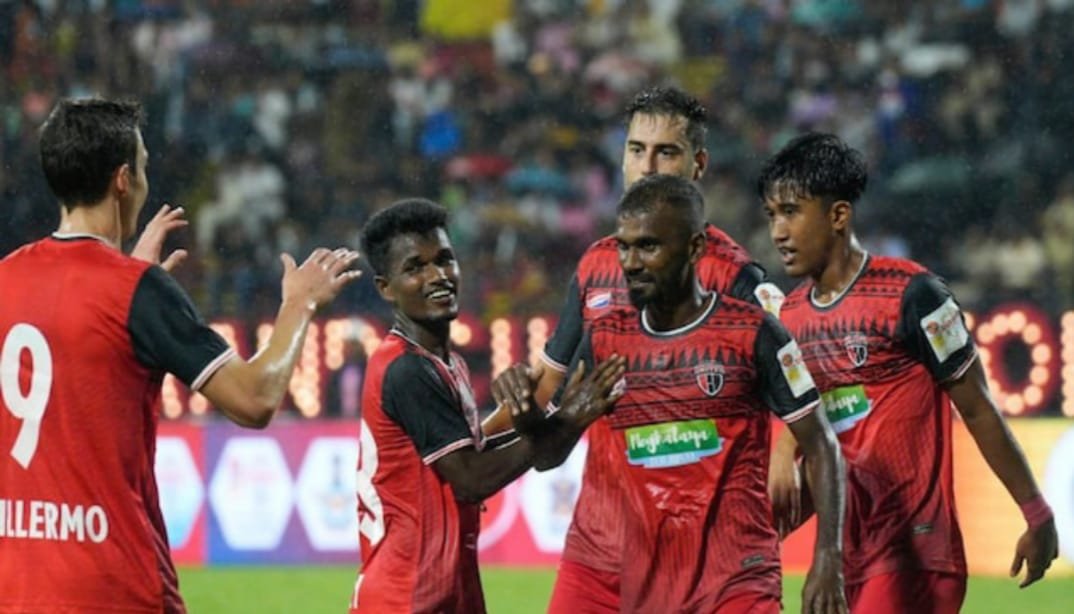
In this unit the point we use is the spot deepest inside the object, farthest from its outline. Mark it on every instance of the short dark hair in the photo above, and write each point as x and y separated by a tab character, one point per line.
815	164
409	216
674	103
83	142
670	190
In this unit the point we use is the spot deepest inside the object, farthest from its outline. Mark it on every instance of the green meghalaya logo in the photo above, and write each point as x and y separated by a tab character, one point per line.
845	406
671	444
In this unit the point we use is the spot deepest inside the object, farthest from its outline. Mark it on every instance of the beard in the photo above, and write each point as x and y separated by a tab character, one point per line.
641	298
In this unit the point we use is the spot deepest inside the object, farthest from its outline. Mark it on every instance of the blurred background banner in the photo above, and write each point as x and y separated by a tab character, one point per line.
286	495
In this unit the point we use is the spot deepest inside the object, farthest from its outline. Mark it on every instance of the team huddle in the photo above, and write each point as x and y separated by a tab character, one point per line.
672	354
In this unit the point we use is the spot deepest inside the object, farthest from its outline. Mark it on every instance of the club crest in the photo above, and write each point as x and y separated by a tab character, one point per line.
709	377
857	347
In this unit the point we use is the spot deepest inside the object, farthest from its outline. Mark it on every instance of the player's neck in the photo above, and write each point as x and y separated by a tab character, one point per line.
431	336
678	313
843	268
100	220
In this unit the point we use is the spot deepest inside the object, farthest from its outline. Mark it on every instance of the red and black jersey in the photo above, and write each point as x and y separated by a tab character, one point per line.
87	335
880	353
690	440
419	545
596	288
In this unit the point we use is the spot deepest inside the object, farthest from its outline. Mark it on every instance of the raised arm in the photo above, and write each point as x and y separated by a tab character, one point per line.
248	392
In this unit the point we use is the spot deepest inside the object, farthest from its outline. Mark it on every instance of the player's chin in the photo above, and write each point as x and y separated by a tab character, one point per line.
640	297
795	268
446	313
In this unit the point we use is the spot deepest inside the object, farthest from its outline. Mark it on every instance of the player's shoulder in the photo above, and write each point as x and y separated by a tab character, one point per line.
392	348
599	265
892	268
600	251
797	297
729	306
616	320
720	245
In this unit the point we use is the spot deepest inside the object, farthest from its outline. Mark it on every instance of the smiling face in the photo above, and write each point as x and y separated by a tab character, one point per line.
422	278
656	251
804	230
658	144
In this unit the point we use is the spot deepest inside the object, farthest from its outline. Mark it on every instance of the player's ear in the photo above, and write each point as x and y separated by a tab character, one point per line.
121	178
697	246
839	214
701	162
384	288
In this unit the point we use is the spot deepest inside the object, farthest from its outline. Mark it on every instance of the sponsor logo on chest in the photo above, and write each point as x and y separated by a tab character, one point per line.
672	444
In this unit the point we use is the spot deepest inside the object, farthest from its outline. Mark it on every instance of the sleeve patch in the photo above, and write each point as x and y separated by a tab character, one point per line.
945	330
794	370
769	297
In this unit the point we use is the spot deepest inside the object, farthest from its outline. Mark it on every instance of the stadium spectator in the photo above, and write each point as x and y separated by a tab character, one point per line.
87	336
889	348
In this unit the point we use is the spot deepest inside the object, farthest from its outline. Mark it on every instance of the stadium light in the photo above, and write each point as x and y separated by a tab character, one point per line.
500	343
537	336
1029	326
1067	353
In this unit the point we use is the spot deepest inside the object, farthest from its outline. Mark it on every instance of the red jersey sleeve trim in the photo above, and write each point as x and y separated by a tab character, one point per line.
212	368
962	368
798	414
448	449
553	364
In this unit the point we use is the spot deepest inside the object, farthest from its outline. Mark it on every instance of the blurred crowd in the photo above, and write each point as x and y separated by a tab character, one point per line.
283	125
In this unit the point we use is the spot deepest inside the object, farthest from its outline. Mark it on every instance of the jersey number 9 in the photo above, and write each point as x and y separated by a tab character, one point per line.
29	407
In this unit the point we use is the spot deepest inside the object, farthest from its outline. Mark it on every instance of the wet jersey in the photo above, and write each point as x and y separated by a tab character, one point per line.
597	288
880	353
419	545
87	335
690	442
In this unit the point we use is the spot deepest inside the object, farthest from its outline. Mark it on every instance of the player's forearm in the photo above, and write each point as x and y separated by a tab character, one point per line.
1002	453
272	367
476	476
825	473
786	446
553	443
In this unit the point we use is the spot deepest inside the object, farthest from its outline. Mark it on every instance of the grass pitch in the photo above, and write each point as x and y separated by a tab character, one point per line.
317	590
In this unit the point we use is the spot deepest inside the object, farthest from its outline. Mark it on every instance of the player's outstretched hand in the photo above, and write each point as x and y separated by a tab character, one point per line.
588	397
824	592
785	491
153	236
513	392
320	278
1037	547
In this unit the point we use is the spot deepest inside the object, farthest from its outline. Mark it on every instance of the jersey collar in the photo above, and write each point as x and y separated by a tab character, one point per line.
838	297
685	327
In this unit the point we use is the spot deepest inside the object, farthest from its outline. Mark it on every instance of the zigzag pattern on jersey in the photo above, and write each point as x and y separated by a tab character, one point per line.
665	374
720	264
872	308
